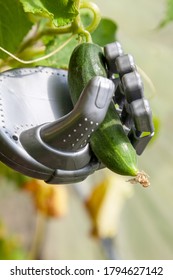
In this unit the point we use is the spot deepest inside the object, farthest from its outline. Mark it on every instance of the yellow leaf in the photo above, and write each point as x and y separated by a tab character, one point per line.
51	200
105	204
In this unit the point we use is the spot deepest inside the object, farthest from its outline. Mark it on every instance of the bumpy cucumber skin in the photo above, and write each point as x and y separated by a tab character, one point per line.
87	61
109	142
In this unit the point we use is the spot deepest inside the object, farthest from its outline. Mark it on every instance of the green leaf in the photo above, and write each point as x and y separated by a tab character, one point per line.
61	59
60	12
105	32
169	14
11	175
14	25
10	246
157	125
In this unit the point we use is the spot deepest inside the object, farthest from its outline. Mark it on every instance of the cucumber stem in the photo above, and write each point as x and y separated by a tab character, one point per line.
77	26
78	29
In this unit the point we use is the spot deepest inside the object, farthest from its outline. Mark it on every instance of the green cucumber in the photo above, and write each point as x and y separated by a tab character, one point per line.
109	142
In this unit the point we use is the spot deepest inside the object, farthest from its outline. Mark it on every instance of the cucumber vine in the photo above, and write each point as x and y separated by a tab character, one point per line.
76	27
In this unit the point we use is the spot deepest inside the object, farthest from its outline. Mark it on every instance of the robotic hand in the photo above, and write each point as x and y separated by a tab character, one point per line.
134	109
44	137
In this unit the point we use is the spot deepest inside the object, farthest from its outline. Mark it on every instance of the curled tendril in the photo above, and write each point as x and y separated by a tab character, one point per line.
96	13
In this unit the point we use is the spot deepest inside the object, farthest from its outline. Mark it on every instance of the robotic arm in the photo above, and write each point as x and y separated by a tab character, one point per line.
44	137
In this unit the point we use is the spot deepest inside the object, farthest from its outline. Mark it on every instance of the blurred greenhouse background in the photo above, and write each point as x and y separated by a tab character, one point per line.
133	222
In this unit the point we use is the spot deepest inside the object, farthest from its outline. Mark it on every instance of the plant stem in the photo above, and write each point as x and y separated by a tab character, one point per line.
78	28
78	2
35	252
45	32
40	58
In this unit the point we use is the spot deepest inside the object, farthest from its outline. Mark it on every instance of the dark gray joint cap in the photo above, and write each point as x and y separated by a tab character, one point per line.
111	52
